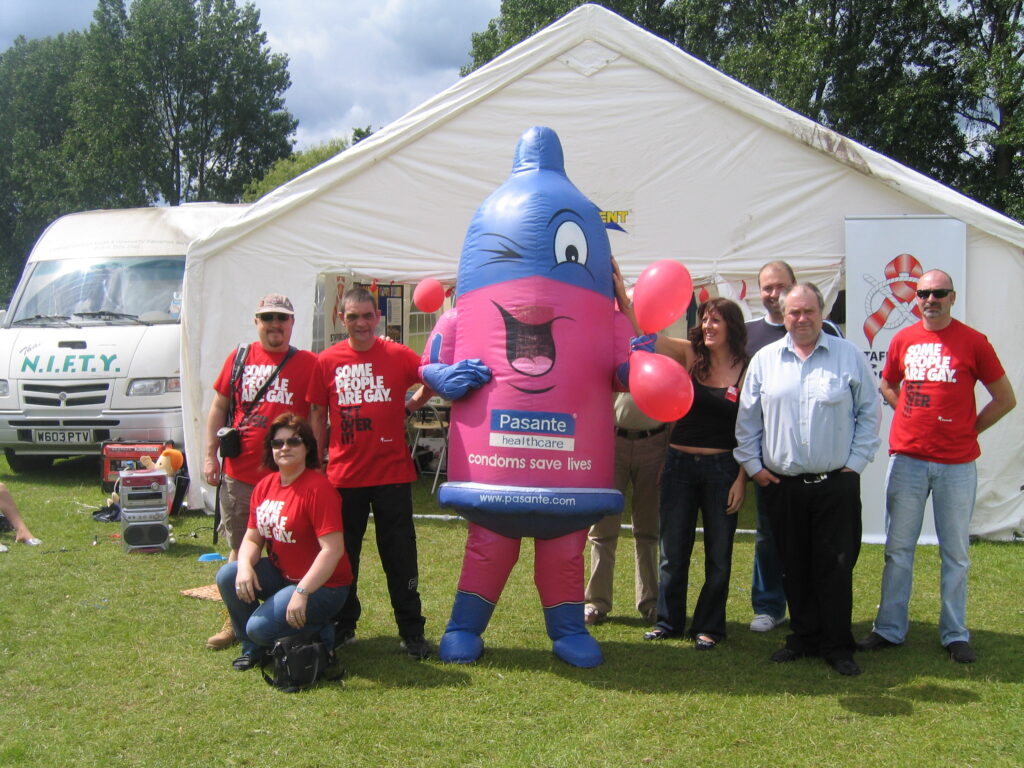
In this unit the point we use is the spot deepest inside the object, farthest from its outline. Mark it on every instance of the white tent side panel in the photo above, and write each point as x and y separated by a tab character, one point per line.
995	274
706	171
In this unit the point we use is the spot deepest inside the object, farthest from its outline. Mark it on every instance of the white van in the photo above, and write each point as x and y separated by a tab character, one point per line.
90	345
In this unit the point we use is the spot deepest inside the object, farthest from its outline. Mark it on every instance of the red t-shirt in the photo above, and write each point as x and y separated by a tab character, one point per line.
291	518
936	411
286	393
364	393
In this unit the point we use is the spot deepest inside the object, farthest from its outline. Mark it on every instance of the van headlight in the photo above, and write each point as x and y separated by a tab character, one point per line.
147	387
5	388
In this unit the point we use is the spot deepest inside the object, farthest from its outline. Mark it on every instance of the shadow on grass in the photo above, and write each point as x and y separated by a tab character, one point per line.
899	700
891	683
71	471
381	661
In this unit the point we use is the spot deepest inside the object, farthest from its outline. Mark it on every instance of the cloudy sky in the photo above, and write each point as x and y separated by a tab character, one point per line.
352	62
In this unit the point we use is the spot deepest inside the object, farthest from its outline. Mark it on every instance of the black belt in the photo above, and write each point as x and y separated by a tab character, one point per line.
639	434
811	478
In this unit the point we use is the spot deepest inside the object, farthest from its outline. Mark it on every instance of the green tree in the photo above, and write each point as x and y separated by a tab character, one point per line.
879	71
934	84
165	101
990	37
36	182
107	143
518	19
358	134
186	94
287	168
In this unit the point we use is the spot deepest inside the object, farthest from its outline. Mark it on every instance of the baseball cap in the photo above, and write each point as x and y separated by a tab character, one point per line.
275	302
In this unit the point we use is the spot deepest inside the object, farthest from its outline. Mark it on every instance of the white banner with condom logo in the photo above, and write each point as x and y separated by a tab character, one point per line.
885	255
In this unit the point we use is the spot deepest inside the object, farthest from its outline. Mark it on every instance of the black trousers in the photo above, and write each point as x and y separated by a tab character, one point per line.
817	527
396	542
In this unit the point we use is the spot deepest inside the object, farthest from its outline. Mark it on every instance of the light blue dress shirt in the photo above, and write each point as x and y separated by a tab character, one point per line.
808	416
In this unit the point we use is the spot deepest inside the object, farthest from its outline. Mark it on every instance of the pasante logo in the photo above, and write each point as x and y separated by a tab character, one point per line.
533	422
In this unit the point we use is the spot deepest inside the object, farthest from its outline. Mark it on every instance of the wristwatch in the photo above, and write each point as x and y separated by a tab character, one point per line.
301	590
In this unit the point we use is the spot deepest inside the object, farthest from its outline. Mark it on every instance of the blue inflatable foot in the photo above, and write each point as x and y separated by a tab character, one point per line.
460	647
572	643
461	642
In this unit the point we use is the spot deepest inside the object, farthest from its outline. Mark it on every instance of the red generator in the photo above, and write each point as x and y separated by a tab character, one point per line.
144	510
118	456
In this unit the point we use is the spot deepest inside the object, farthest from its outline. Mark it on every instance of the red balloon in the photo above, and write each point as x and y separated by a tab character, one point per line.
660	386
429	295
662	294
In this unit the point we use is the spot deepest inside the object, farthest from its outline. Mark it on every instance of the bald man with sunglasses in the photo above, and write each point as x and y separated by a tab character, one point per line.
929	380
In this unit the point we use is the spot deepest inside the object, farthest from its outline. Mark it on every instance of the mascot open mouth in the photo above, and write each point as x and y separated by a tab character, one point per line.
529	347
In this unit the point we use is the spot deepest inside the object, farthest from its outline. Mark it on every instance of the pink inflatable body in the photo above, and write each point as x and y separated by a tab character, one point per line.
531	451
544	420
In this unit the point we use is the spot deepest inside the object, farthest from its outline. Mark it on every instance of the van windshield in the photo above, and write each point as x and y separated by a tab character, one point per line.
100	291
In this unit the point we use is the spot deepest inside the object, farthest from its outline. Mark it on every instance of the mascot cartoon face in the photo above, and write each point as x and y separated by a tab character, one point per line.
535	304
537	262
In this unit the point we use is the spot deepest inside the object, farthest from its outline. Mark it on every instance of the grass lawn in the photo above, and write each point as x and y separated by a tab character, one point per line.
102	663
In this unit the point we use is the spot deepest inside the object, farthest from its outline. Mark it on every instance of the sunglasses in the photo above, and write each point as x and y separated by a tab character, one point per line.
938	293
269	317
293	442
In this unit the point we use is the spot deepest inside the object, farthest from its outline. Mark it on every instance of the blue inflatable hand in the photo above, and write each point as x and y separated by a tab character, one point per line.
453	381
643	343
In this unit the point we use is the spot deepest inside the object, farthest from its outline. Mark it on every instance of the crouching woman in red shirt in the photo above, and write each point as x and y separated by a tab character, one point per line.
304	579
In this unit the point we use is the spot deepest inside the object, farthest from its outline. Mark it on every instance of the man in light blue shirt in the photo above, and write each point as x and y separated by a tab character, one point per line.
807	427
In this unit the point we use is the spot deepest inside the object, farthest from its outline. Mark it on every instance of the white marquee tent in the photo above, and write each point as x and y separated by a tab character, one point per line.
696	167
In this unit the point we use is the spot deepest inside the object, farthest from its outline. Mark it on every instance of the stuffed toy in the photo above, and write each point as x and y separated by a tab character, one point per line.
531	452
170	461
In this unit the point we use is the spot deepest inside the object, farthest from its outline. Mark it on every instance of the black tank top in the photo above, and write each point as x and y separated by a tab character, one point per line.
711	420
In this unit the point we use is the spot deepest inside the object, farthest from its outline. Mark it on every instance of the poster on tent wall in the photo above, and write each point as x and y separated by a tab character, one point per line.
389	300
334	289
885	255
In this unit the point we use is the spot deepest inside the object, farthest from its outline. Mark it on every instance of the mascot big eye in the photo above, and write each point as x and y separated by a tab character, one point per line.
531	452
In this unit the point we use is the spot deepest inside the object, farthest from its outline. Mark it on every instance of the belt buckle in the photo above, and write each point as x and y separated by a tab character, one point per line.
815	479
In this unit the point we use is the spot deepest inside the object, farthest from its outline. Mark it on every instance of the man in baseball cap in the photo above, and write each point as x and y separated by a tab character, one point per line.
289	370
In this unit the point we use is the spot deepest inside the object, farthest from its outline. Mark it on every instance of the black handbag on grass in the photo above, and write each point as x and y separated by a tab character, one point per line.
298	663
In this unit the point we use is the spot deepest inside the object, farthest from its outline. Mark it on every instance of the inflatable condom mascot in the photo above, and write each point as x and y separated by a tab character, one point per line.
531	451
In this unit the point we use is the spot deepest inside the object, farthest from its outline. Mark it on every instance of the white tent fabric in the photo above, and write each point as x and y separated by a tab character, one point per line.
694	166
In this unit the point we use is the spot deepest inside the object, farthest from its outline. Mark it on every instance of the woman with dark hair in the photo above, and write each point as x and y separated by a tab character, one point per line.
305	576
700	474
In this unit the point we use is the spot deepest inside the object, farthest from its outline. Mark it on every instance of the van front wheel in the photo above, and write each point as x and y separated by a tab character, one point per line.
27	462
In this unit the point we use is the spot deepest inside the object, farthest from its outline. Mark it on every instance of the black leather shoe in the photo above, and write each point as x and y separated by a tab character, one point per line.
961	652
784	655
846	667
660	633
416	646
247	661
704	643
344	637
873	641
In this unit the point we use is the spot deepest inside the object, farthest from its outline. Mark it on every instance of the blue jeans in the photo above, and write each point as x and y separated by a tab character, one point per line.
689	484
908	484
260	623
767	595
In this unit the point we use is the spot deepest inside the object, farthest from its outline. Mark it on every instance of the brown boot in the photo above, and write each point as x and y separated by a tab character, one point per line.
223	639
